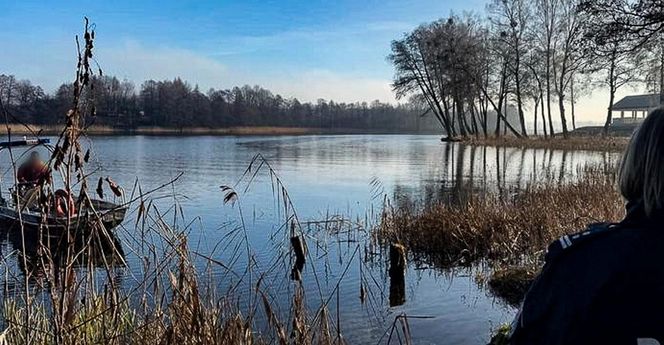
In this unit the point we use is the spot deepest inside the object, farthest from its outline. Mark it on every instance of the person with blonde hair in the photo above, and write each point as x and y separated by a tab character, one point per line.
605	285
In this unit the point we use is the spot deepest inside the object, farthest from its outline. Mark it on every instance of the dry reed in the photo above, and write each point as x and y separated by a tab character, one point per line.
578	142
509	229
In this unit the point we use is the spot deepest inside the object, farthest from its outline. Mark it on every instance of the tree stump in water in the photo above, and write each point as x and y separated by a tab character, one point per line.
298	248
397	273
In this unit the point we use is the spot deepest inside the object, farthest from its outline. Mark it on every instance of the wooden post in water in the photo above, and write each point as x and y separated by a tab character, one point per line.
397	273
298	248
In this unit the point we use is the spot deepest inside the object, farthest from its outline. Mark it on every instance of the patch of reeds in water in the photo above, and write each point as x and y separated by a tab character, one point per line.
574	142
513	228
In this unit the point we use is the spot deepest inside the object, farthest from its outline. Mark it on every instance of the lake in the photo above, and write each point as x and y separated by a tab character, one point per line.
340	177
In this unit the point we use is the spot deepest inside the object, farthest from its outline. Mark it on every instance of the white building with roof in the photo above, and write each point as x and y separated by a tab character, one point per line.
633	109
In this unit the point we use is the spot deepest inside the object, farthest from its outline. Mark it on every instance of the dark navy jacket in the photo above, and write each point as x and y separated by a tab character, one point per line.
601	286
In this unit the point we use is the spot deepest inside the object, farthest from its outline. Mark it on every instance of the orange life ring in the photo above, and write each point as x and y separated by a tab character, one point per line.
64	202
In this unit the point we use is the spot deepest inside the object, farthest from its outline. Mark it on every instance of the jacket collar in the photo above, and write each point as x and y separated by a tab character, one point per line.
636	215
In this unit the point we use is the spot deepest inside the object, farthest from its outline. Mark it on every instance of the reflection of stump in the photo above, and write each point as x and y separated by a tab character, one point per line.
397	274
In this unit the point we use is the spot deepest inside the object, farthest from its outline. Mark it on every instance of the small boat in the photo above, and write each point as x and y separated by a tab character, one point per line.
25	142
110	214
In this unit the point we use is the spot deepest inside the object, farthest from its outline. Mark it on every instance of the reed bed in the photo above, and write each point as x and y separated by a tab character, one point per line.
508	228
574	142
173	300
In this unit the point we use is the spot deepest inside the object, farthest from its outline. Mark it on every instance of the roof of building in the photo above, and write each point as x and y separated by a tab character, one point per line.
637	102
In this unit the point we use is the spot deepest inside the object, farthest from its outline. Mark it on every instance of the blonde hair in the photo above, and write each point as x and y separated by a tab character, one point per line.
642	168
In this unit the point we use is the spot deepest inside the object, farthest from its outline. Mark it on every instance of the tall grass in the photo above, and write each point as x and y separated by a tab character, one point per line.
509	228
574	142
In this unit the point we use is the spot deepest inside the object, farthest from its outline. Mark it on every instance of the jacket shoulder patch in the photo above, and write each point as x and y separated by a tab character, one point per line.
566	242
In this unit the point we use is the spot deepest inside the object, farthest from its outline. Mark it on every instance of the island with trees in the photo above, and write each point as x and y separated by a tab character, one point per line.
539	57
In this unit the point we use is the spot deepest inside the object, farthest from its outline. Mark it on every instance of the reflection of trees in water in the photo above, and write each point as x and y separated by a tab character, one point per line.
471	171
42	256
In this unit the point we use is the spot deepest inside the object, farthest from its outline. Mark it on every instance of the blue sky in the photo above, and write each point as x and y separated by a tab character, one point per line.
307	49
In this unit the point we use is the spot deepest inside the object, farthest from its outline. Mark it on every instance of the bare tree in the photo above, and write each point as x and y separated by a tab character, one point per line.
488	71
621	69
437	61
611	50
568	53
545	29
535	89
7	89
413	75
511	19
640	22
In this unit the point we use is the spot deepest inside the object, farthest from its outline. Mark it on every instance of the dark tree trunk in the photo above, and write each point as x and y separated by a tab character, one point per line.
612	92
535	116
542	111
548	91
572	105
519	102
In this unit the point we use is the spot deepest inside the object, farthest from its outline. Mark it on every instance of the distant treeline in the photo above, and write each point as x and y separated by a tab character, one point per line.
177	104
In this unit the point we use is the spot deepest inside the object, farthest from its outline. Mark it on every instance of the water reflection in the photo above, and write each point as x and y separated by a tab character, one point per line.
471	171
41	258
328	175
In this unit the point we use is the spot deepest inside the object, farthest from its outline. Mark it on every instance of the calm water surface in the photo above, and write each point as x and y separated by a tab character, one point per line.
346	176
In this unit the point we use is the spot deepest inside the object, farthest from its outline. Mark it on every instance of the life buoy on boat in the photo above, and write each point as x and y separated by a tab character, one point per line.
63	203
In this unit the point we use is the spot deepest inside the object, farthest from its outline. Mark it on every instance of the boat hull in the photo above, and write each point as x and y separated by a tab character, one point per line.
110	215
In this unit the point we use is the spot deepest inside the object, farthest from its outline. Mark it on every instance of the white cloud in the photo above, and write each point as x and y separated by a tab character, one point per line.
315	84
130	59
137	62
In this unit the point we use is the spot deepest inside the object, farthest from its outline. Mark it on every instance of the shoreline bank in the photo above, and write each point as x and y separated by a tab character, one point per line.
580	141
